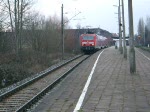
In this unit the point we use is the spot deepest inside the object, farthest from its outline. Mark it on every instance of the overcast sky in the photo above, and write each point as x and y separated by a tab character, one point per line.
94	13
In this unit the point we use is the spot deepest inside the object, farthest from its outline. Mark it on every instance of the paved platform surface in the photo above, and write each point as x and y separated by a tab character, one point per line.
112	87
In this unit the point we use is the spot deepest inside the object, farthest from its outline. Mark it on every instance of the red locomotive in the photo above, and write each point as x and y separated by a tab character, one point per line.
92	42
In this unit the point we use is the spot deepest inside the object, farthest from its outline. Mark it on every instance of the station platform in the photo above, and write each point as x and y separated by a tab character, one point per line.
111	89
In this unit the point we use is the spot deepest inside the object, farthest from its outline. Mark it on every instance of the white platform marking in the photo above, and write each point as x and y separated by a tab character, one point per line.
143	55
80	101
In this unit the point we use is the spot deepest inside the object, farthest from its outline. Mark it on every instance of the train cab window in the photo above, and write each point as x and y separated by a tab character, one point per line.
88	38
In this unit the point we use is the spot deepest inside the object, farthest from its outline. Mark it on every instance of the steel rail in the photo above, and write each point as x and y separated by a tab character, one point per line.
43	74
45	90
31	100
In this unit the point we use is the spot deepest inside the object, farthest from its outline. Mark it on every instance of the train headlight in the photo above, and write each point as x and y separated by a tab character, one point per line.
92	44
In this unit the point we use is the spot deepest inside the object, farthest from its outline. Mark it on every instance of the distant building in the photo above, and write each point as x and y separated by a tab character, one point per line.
116	39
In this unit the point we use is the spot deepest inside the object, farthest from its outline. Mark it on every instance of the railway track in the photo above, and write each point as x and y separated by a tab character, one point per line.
22	97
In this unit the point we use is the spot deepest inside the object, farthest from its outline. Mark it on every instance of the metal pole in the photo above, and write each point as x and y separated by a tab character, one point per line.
131	34
124	33
119	28
62	32
120	32
144	35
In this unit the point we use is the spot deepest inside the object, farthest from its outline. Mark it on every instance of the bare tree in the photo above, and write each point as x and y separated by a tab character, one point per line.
141	30
3	16
17	10
3	26
147	31
78	26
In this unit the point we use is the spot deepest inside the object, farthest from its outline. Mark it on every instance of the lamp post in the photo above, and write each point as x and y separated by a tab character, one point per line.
144	35
62	31
119	25
62	28
131	34
124	40
120	31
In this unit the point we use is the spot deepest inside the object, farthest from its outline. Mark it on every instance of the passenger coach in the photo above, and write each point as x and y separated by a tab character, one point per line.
92	42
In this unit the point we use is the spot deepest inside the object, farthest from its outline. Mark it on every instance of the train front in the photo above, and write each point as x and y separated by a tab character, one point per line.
87	42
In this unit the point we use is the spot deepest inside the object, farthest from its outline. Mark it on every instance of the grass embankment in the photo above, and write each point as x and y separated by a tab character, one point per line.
144	48
14	69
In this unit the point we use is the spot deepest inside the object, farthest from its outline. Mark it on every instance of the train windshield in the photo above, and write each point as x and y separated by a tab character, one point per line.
88	38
